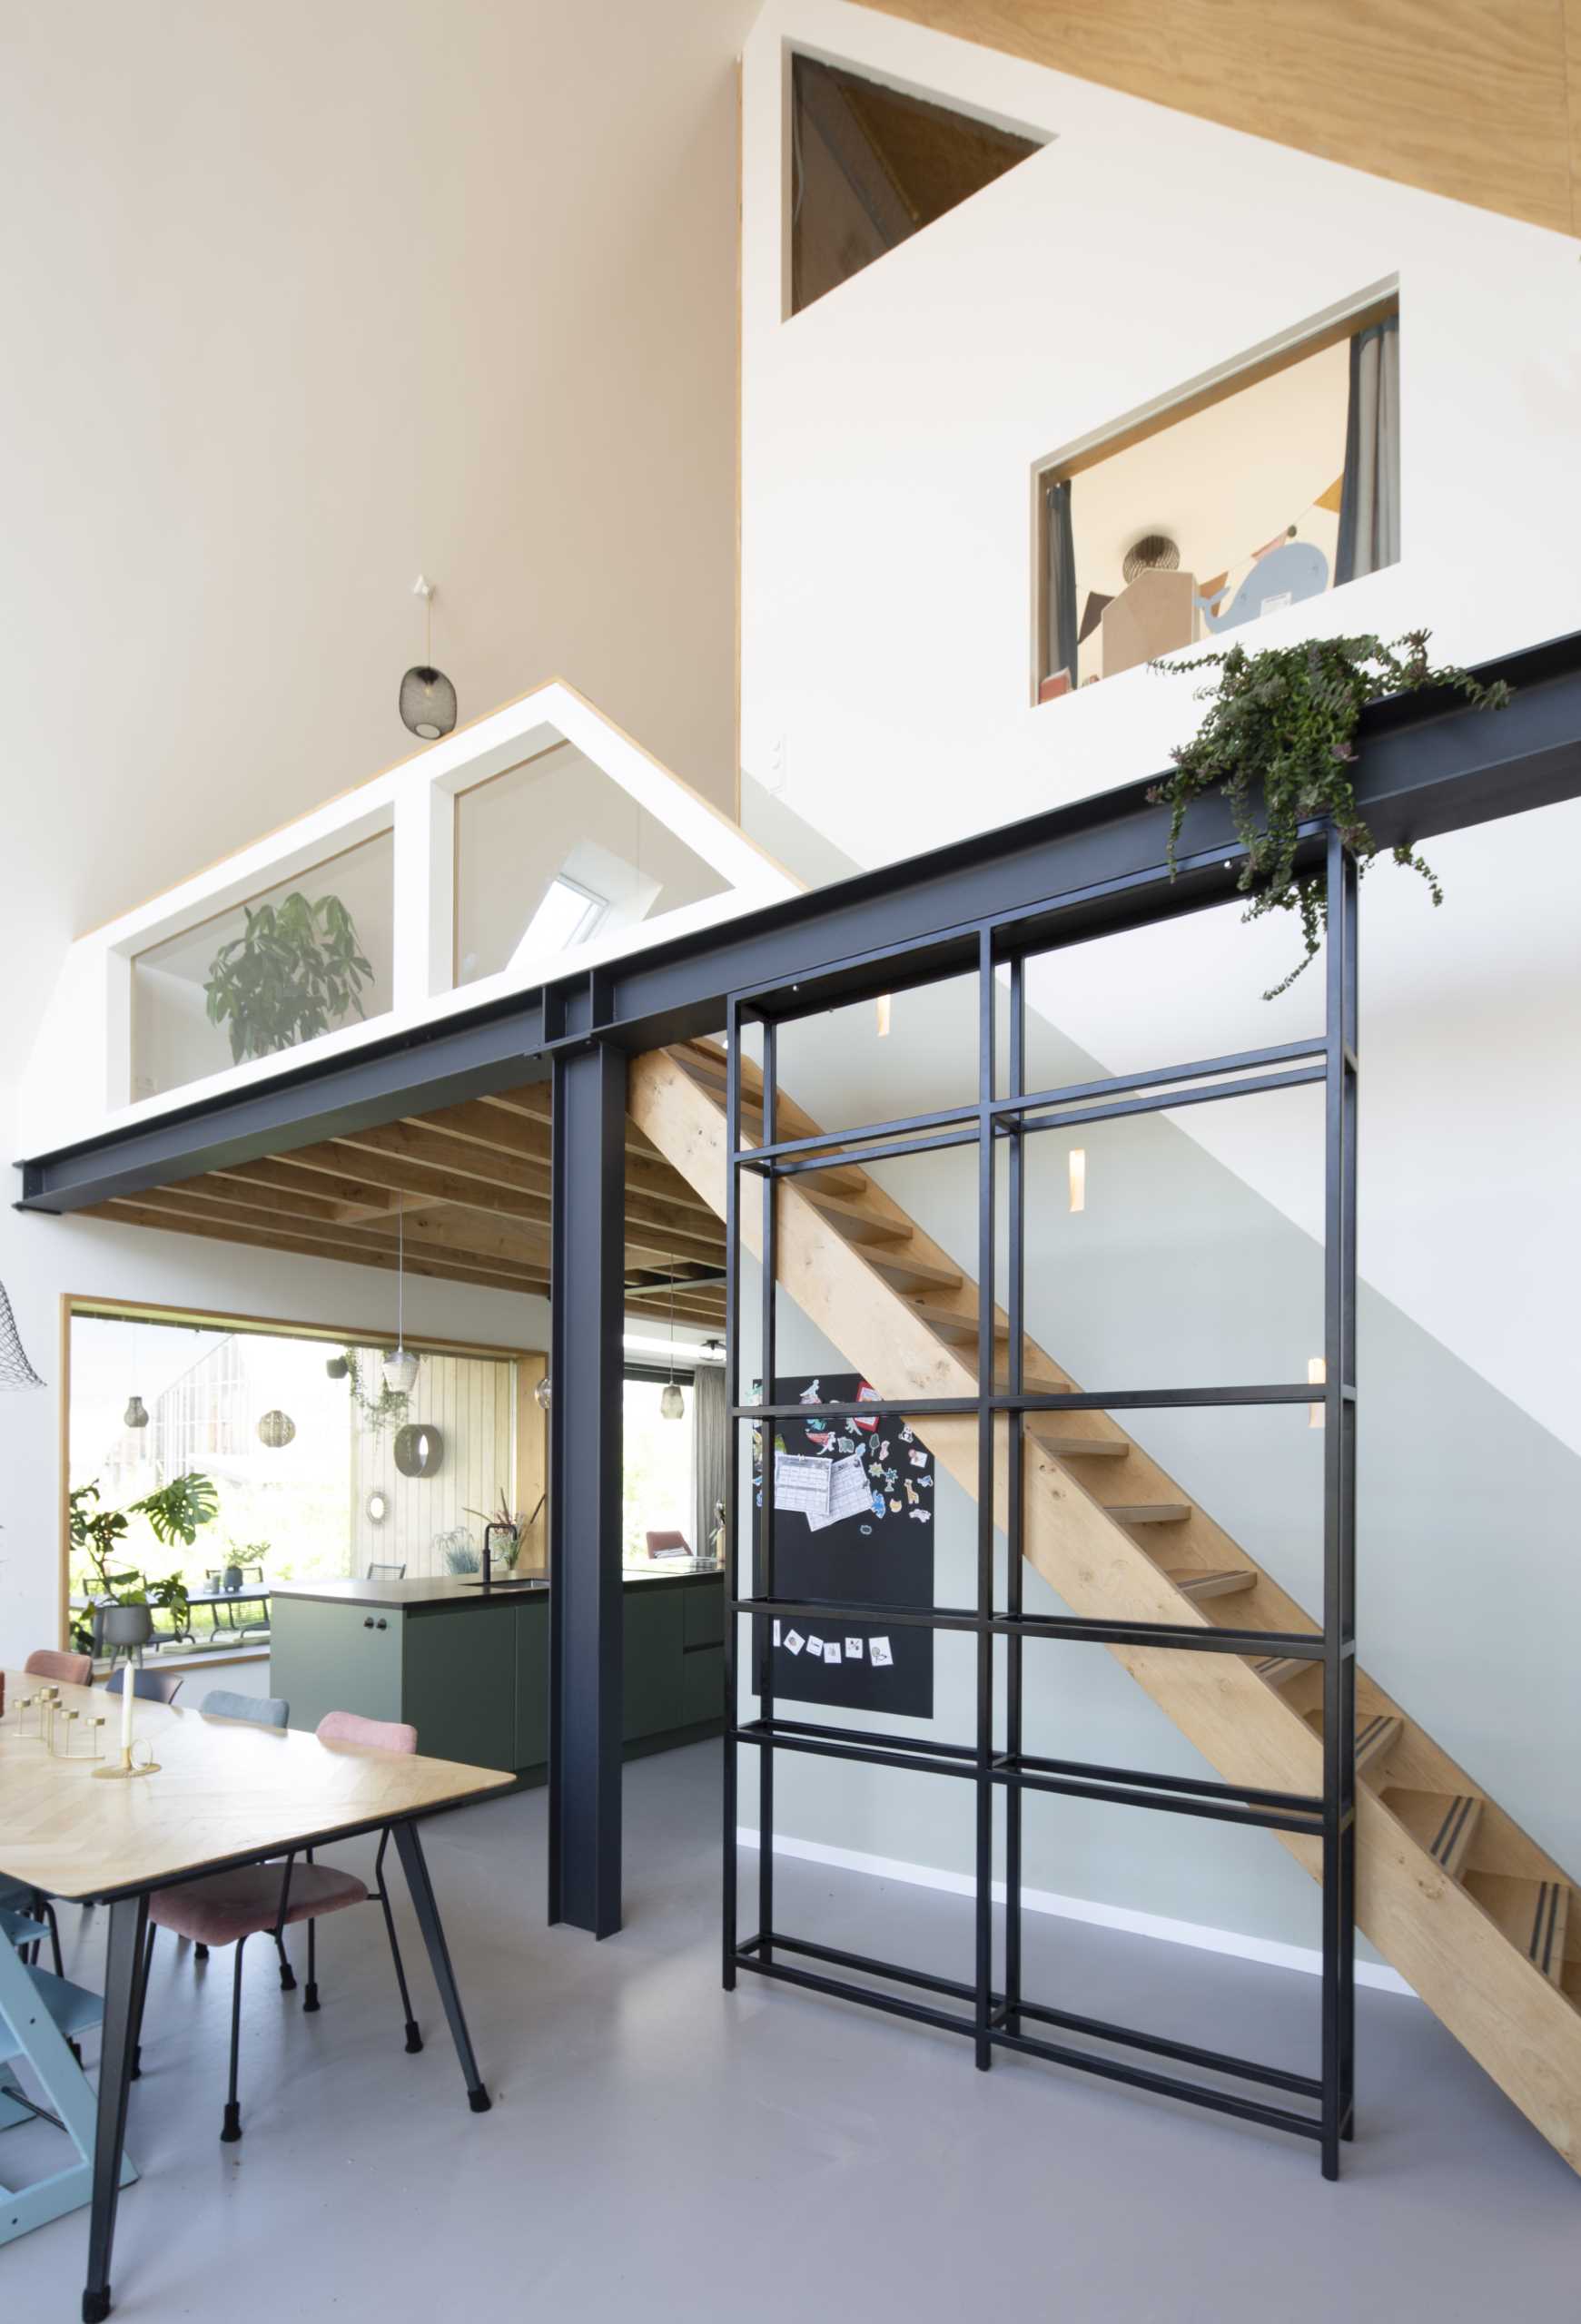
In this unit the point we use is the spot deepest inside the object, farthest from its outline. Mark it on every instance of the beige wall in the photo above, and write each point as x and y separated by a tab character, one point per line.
298	300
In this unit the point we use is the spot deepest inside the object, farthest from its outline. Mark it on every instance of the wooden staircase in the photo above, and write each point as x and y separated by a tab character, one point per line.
1472	1913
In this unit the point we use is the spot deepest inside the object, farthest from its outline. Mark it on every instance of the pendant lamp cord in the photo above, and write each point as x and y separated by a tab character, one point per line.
401	1279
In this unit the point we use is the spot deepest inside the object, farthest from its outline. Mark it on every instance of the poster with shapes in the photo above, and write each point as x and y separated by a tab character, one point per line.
850	1502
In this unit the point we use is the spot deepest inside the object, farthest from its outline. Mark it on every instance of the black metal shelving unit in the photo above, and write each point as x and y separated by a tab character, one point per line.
992	2009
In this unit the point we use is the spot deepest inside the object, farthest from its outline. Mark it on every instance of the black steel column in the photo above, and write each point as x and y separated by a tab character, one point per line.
732	1484
586	1376
1338	2035
986	1389
1015	1515
763	1580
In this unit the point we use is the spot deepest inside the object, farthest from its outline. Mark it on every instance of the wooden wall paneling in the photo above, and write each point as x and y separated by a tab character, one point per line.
1476	99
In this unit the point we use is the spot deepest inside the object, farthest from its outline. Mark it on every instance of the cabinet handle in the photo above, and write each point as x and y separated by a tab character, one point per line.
381	1624
368	1622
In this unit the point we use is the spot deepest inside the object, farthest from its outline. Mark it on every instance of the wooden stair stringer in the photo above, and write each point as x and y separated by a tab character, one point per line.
1522	2029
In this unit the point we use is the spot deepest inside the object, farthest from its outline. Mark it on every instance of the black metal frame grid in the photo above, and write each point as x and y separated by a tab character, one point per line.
995	2012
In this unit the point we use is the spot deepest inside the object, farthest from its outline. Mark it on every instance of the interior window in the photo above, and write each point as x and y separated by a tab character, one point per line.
870	166
1274	486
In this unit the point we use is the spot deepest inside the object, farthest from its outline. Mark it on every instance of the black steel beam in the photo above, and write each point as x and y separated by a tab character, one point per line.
1428	764
586	1603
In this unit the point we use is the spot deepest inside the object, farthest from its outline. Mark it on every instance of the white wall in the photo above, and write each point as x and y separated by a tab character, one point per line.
889	432
890	435
307	299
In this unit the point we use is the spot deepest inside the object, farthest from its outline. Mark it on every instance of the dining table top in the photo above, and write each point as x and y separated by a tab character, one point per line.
226	1792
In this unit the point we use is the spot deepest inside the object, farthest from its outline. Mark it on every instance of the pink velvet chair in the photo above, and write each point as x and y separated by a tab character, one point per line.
66	1669
265	1900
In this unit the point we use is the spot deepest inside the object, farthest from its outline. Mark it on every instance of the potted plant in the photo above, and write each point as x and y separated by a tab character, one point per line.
1278	744
379	1412
507	1520
295	971
175	1511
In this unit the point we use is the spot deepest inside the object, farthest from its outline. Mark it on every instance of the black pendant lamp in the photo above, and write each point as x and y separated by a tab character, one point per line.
428	699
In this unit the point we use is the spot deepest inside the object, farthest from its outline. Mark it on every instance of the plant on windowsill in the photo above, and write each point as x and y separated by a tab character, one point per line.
506	1546
295	971
176	1511
380	1411
1278	744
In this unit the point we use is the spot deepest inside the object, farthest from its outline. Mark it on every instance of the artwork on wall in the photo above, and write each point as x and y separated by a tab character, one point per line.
852	1509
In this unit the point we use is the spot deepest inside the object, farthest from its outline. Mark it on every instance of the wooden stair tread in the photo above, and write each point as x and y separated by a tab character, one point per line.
1230	1581
1046	1427
946	1321
1147	1513
1443	1822
1377	1732
1533	1914
858	1225
1278	1670
902	1268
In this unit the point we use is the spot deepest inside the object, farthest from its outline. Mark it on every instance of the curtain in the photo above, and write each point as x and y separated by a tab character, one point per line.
1369	492
1062	583
708	1448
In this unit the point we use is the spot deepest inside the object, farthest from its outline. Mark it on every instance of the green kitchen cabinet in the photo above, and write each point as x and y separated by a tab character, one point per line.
533	1683
655	1636
460	1685
702	1685
326	1658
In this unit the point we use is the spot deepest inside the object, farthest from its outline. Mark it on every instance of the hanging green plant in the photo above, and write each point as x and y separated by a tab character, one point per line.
296	971
379	1412
1278	745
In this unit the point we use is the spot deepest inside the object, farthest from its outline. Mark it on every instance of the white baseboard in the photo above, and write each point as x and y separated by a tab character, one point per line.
1306	1958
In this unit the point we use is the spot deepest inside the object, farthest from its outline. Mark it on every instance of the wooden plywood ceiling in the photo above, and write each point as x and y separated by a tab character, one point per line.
469	1188
1476	99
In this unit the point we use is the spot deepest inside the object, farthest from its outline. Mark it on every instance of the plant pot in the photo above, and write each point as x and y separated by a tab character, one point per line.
126	1626
231	1578
337	1367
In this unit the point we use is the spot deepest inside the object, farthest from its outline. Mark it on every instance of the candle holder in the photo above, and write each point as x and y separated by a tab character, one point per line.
113	1771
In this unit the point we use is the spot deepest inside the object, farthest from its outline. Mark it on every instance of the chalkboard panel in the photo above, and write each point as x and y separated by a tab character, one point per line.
851	1502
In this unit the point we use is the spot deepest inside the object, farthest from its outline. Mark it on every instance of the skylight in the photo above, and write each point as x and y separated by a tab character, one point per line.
567	915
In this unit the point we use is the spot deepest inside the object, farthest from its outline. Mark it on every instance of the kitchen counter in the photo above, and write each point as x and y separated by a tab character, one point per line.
466	1589
478	1691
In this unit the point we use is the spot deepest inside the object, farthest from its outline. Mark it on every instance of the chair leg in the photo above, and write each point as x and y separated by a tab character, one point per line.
287	1974
233	2129
54	1928
142	2003
200	1953
413	2037
310	2000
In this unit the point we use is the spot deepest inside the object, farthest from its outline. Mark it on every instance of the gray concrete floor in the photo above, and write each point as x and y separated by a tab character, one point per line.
658	2150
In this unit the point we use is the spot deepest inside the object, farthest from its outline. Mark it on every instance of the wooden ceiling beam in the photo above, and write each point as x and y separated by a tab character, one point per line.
135	1211
284	1173
487	1130
387	1175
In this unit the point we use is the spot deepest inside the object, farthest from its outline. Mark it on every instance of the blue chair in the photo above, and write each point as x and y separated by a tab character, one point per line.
258	1710
148	1686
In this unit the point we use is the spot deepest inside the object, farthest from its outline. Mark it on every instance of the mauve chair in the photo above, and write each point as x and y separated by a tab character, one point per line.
66	1669
264	1899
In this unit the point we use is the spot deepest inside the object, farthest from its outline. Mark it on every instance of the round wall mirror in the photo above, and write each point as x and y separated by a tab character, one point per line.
377	1508
419	1449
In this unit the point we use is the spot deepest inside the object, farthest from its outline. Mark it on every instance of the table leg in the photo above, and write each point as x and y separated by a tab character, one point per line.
433	1935
123	1972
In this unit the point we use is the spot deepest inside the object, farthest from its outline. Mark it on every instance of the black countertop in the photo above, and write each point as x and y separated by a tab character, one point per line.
463	1590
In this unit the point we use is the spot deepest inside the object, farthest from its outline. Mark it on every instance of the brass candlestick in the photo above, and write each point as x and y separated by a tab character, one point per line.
110	1773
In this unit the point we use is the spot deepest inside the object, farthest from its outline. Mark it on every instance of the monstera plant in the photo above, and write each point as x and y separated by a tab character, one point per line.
296	971
1278	744
176	1511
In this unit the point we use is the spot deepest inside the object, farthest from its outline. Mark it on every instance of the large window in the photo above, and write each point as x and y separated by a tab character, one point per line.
658	1494
317	1470
1243	495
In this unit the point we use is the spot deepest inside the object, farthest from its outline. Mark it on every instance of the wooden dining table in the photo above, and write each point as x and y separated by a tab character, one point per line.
227	1793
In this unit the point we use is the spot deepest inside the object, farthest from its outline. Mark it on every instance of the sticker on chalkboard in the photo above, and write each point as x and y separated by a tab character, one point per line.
878	1648
777	1633
854	1650
794	1642
815	1645
832	1651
